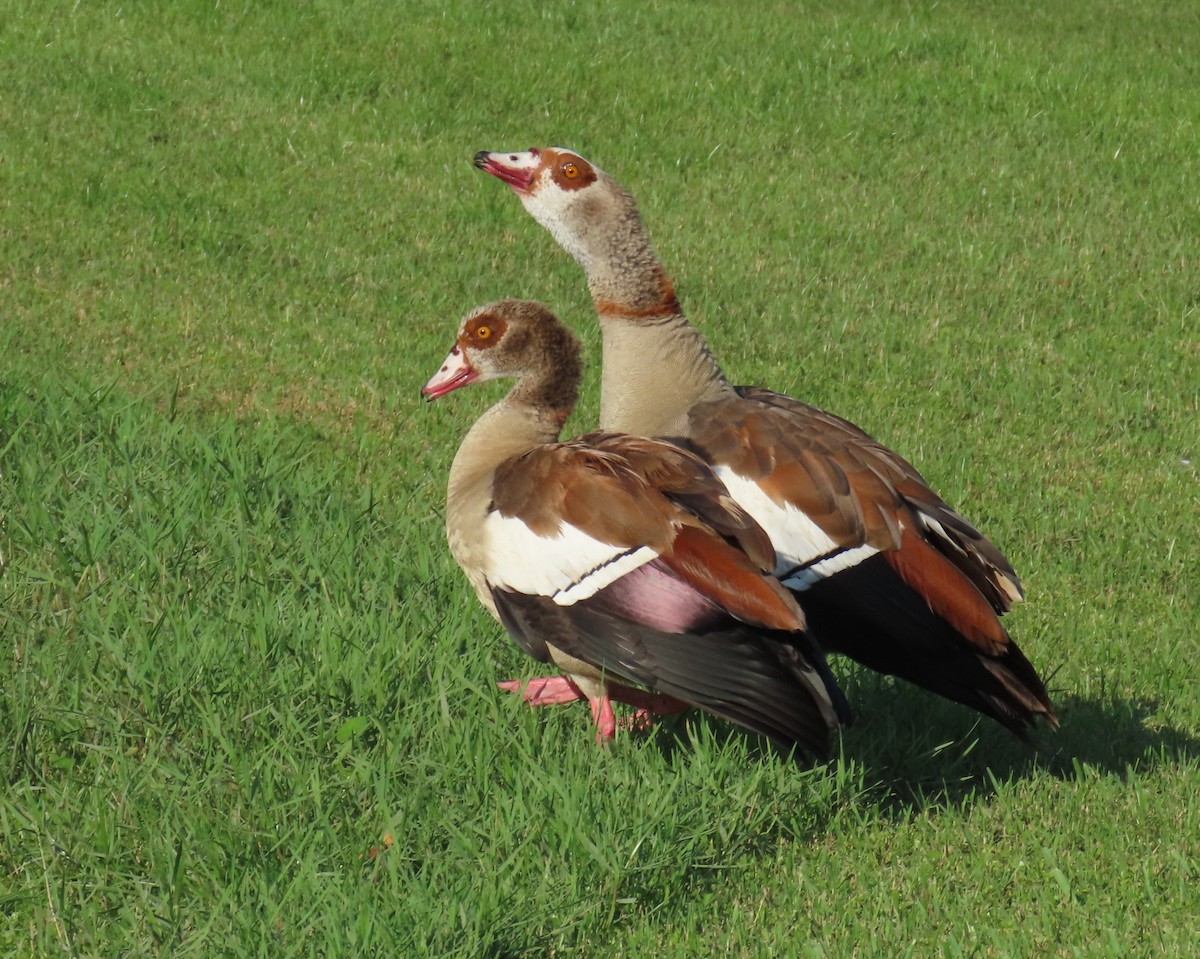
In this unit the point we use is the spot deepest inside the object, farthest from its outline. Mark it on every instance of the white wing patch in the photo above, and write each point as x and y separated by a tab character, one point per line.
804	553
568	567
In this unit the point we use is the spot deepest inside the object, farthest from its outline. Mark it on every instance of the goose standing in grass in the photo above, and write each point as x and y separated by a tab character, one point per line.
886	571
621	560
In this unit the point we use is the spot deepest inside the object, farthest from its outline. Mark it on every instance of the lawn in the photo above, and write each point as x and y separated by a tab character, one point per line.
248	707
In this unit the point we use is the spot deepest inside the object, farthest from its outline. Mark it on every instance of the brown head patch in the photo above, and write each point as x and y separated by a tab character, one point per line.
569	171
483	331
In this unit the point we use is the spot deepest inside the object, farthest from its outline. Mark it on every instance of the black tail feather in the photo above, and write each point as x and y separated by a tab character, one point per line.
869	614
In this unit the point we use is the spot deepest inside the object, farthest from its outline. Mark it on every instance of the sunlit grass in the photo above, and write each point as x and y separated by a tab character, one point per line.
249	707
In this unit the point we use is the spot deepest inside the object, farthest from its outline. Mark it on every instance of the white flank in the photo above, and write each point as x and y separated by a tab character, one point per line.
798	541
568	567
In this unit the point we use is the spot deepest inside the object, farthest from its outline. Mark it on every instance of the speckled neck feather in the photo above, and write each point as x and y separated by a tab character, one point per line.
657	366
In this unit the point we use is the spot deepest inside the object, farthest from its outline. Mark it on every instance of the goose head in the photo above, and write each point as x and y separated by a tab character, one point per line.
578	203
515	339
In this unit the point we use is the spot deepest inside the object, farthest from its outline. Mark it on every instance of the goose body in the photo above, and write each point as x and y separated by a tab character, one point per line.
619	559
886	571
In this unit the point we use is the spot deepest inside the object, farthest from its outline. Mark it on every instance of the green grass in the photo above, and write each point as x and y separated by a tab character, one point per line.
234	241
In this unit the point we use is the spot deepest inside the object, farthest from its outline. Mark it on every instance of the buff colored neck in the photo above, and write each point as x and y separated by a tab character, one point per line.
657	366
508	429
654	372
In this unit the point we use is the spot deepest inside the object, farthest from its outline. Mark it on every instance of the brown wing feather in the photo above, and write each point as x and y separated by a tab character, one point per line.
949	593
855	489
684	478
813	471
632	491
660	463
591	489
723	573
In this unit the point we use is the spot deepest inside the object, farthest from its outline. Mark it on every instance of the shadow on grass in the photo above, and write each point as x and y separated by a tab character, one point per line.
918	752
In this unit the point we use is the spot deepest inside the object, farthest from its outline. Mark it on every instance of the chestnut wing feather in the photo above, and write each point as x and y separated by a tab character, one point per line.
591	489
683	477
643	495
976	556
917	590
857	491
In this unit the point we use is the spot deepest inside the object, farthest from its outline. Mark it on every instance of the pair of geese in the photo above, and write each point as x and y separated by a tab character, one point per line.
716	565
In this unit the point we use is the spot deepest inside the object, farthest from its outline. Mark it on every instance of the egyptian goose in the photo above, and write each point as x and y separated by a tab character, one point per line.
619	559
886	571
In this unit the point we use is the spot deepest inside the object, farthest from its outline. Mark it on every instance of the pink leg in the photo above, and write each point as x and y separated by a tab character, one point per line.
556	690
646	706
657	703
545	691
602	716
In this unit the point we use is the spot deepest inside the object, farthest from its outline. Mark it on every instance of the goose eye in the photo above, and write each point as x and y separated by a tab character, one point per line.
570	170
483	332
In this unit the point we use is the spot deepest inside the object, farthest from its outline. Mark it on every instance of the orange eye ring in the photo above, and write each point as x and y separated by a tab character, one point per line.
570	170
483	332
